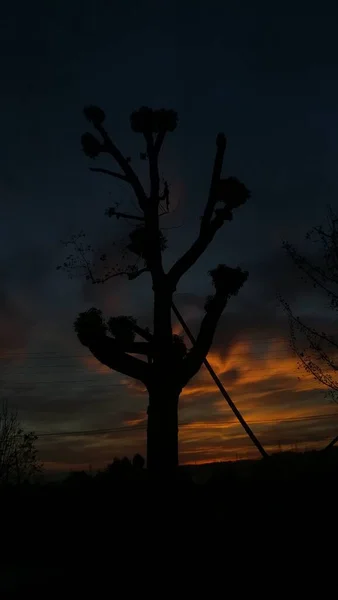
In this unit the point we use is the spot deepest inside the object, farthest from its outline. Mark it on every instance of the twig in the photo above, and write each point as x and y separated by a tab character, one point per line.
109	172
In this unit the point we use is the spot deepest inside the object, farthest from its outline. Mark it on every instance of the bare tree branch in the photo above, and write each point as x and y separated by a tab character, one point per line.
319	354
145	333
131	274
129	172
194	359
18	455
205	237
159	141
216	174
134	274
109	172
153	167
313	272
112	212
228	282
309	330
86	263
108	352
208	228
137	348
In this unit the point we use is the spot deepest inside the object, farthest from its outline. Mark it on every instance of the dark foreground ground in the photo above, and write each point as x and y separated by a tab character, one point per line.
91	535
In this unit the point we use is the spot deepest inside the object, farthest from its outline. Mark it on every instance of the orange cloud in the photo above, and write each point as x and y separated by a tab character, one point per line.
92	364
270	392
279	402
136	421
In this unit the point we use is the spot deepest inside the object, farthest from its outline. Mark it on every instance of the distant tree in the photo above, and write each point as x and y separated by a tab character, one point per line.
18	454
138	462
78	479
169	365
318	350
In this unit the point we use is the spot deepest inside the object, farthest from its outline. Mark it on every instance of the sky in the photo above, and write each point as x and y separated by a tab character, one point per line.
263	74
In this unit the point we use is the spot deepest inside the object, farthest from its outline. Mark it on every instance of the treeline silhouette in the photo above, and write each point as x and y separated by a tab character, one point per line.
120	510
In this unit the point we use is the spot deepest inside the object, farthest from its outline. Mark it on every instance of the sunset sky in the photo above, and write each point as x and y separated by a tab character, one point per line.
265	76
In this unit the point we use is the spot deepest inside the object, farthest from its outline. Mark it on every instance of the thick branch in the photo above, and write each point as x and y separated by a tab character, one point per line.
153	167
144	333
130	174
208	227
159	141
227	282
109	353
137	348
152	221
194	359
196	250
216	174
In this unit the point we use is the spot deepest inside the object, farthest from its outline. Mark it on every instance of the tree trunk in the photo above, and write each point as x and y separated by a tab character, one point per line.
162	431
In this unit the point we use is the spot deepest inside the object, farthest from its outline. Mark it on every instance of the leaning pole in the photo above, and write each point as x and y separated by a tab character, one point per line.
220	386
331	444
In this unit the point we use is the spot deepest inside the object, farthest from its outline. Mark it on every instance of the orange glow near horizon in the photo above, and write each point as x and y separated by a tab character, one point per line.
92	364
277	399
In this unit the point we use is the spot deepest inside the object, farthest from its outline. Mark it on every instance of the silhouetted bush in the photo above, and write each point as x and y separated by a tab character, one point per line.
138	461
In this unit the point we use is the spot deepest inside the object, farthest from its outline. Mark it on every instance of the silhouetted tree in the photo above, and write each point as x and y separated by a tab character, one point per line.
138	462
318	350
169	364
78	479
18	454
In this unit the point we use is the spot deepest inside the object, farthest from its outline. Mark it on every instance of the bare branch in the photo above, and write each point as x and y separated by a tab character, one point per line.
91	329
216	174
145	333
205	237
130	174
153	167
109	352
159	141
82	253
314	273
311	366
318	355
137	348
194	359
227	282
109	172
18	455
315	340
83	261
309	330
208	228
112	212
131	274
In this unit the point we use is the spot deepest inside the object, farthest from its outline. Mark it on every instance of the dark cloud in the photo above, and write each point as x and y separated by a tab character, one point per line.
269	83
15	324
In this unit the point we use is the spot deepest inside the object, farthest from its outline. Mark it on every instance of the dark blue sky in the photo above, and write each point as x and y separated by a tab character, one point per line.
261	72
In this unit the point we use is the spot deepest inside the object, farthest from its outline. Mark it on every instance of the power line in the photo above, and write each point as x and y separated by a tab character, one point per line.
99	381
84	432
60	381
233	354
68	366
143	426
51	352
101	375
